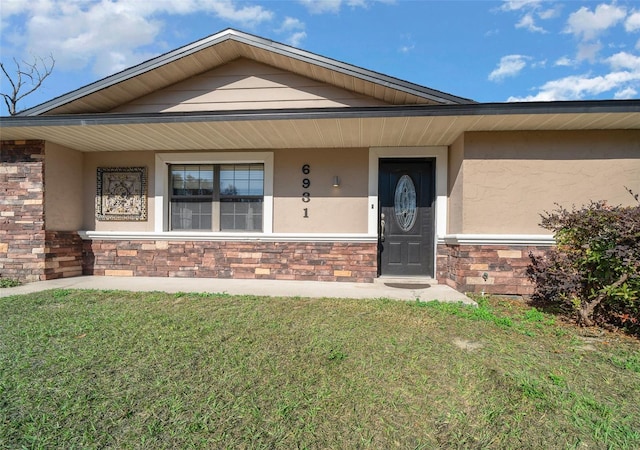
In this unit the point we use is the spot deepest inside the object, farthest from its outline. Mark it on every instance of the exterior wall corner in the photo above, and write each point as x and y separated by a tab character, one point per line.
28	251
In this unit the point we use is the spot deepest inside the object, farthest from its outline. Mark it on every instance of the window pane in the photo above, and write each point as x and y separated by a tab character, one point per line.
191	215
241	186
192	180
227	180
241	214
206	180
177	178
256	180
241	179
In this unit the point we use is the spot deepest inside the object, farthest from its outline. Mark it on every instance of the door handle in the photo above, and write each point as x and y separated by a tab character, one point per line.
382	226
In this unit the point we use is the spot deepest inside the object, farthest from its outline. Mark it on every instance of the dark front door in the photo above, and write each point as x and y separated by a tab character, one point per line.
406	195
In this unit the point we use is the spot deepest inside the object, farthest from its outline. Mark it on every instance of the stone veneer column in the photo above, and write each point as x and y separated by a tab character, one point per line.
22	234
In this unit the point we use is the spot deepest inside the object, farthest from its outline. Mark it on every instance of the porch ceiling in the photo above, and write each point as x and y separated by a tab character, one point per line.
326	128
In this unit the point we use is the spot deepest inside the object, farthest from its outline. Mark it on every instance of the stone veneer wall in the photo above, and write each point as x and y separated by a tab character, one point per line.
325	261
462	267
22	235
63	254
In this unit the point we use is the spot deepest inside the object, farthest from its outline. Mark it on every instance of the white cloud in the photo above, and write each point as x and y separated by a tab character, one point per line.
10	8
577	87
564	62
509	66
366	3
633	22
334	6
226	9
588	51
324	6
407	48
587	25
291	23
627	93
539	64
409	44
550	13
624	61
13	7
85	33
516	5
530	11
527	21
621	81
296	38
296	28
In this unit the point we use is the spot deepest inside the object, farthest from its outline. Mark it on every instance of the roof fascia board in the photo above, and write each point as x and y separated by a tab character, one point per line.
251	40
478	109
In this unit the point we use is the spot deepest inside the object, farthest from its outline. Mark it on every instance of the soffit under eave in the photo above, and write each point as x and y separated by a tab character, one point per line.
308	133
215	56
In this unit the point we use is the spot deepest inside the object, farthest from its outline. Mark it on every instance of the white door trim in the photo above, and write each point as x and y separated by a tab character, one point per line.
440	153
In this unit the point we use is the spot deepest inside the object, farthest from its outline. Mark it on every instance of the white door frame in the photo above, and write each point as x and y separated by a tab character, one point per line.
440	154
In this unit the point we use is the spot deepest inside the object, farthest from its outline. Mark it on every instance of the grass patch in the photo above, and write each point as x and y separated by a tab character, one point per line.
91	369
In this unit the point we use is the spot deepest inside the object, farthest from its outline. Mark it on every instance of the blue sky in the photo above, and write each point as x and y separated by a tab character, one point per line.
490	51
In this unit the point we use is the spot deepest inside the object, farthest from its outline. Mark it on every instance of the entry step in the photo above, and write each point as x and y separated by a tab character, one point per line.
406	280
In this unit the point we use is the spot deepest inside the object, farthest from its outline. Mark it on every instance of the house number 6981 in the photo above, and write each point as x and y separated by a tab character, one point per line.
306	184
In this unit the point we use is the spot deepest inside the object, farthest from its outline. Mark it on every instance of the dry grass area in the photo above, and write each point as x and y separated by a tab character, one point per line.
92	369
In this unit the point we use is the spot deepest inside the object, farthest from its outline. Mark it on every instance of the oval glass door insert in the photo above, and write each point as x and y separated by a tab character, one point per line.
405	203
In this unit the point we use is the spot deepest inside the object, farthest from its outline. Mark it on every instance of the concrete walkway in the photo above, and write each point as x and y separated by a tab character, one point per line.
392	289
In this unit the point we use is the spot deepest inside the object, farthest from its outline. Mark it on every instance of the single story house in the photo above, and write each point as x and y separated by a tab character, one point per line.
239	157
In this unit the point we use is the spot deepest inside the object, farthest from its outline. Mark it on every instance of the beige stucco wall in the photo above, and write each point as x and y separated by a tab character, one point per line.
115	159
498	182
330	209
63	188
455	185
245	84
508	179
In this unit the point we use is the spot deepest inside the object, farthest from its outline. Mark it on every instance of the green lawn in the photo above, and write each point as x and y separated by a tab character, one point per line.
91	369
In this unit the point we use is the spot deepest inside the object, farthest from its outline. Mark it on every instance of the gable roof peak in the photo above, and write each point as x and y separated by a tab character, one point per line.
220	48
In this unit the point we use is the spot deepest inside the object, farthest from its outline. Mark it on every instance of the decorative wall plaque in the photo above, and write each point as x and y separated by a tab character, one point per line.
122	193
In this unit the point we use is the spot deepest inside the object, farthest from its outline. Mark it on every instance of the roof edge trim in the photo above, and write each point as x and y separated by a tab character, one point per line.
477	109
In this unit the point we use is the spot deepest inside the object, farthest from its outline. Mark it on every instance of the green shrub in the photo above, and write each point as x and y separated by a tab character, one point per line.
594	272
9	282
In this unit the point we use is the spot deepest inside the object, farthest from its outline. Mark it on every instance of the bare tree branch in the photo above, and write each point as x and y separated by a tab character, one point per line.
26	73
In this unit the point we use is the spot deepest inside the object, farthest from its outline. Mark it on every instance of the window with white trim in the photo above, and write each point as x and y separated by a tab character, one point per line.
216	197
214	192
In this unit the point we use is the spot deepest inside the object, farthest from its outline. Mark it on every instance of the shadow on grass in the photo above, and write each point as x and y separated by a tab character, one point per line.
622	322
